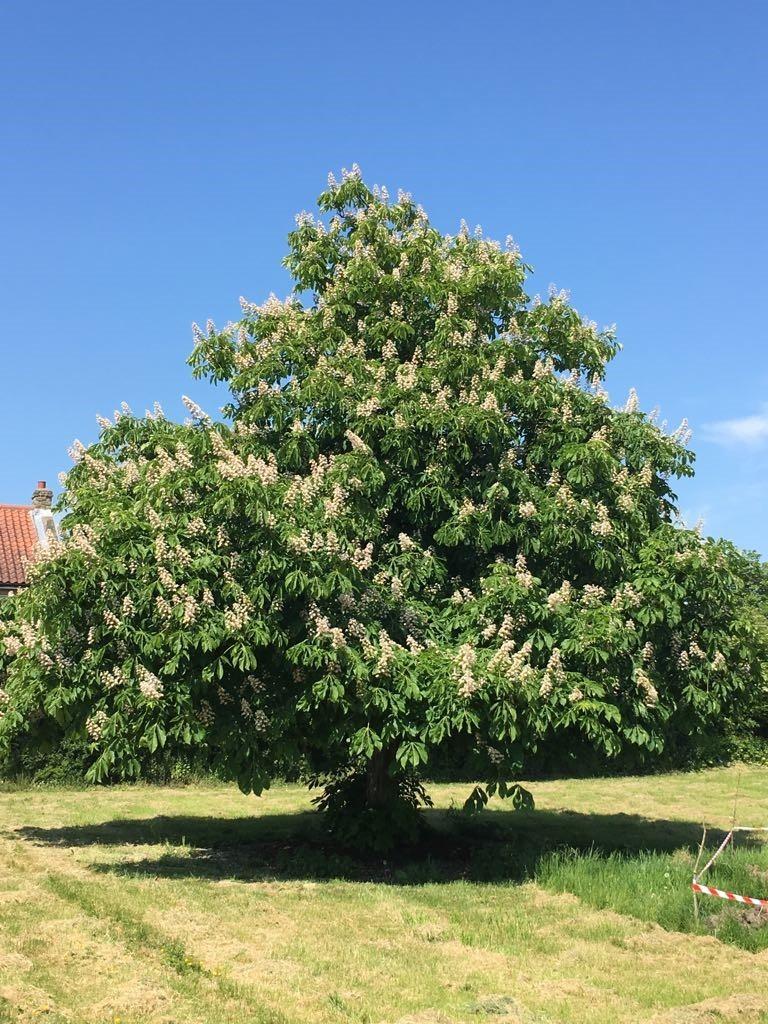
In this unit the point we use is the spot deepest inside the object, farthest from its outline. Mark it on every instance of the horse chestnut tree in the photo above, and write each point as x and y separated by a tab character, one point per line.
419	517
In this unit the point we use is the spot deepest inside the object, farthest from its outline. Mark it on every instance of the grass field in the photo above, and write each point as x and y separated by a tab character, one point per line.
204	906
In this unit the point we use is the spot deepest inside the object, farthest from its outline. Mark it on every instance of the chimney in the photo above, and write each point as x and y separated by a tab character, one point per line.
42	496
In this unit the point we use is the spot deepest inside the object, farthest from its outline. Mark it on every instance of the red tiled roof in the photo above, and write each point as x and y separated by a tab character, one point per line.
18	540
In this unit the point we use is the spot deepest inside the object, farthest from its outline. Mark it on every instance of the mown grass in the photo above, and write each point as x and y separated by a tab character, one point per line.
152	906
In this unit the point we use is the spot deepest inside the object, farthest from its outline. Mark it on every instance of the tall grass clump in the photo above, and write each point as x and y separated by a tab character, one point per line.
656	887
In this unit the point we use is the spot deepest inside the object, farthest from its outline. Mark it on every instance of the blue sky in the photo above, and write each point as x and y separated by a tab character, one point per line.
154	154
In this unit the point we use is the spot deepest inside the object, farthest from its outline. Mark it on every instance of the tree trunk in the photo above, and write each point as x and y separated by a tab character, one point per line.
380	787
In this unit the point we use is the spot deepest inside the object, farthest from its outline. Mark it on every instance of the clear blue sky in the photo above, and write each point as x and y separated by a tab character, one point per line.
153	155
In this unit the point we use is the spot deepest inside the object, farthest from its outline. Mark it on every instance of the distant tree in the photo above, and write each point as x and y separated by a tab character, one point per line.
420	517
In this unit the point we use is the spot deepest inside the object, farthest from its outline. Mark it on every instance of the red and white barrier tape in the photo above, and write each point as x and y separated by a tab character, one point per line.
709	890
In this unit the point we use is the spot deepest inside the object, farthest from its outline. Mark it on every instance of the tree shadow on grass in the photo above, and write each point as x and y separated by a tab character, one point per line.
492	847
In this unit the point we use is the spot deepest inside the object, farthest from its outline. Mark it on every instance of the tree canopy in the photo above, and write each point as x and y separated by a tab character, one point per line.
419	517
